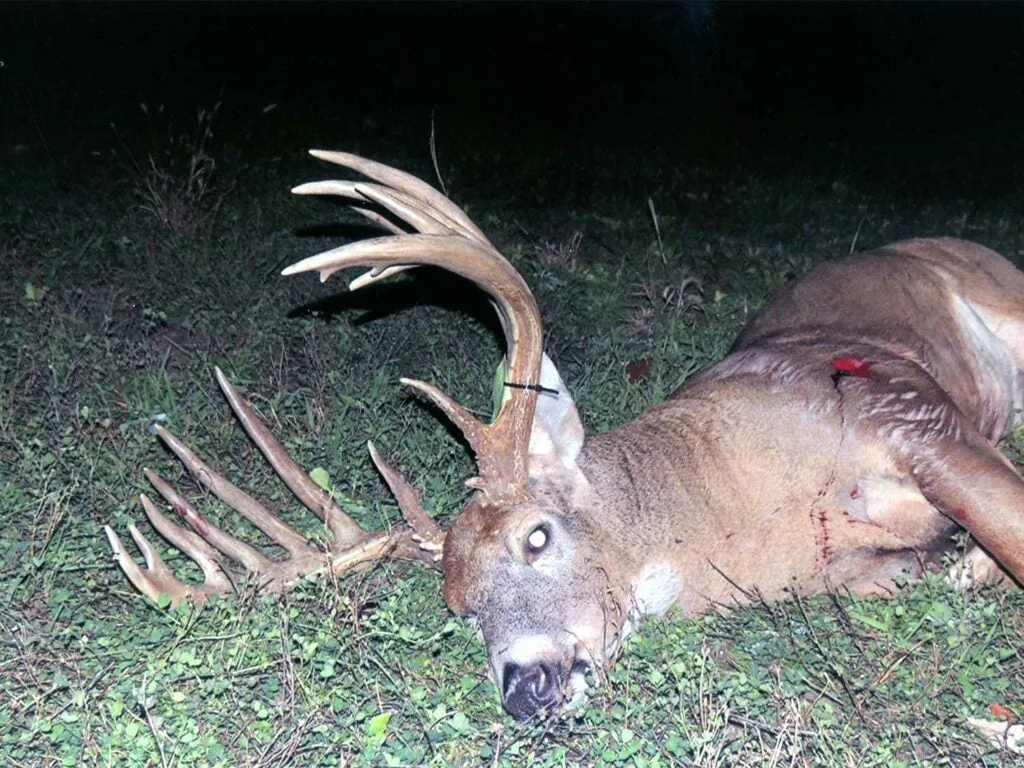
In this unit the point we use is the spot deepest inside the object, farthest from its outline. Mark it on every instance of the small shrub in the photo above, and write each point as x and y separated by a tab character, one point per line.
176	185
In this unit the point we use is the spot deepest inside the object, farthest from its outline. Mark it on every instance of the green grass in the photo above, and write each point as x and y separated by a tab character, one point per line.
112	319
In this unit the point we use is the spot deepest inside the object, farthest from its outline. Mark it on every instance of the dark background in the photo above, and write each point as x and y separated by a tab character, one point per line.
920	94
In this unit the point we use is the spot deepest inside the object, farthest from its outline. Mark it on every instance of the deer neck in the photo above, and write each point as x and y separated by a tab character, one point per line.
652	511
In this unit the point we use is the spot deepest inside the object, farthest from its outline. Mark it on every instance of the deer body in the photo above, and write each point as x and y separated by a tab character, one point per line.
846	437
774	470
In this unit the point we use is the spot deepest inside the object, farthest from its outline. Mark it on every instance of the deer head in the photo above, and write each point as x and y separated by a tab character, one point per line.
527	559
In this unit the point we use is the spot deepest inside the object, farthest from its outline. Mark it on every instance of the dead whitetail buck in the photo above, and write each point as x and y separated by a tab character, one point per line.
846	438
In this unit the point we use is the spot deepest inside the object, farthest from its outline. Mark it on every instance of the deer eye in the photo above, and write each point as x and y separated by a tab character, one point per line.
538	539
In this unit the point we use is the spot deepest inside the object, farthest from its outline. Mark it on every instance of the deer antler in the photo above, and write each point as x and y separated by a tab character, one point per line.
447	239
352	545
444	237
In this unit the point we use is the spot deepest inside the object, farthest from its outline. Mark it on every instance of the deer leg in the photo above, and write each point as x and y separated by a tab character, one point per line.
976	487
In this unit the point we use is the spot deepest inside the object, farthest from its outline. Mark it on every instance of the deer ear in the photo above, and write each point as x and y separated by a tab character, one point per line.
557	430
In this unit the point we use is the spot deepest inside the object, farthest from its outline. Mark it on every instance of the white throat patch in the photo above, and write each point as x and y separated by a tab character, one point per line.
656	589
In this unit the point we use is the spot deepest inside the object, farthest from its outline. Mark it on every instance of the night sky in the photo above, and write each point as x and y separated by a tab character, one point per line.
916	89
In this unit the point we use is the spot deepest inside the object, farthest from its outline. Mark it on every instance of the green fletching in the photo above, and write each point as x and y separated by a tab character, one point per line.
499	392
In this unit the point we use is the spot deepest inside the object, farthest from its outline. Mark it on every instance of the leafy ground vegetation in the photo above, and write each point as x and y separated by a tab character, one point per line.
128	277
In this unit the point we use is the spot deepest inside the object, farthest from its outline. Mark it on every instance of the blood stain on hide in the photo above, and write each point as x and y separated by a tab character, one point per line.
193	518
857	367
823	537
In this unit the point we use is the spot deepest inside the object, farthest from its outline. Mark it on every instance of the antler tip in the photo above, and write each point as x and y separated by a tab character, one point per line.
161	431
114	539
332	156
303	265
310	264
426	389
227	387
363	280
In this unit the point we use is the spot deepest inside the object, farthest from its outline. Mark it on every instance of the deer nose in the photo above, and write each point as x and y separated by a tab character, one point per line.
527	690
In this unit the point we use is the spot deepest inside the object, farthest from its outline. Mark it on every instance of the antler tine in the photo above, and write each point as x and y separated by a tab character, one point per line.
417	214
347	189
345	530
404	182
501	448
375	276
157	579
245	555
424	527
412	212
215	577
420	216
